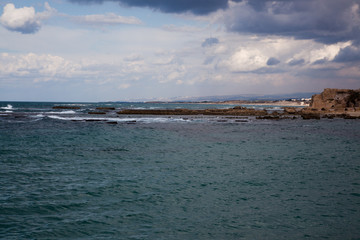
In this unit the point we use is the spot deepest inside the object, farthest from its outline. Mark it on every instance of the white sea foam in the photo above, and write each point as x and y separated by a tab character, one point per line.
63	112
8	107
147	120
67	112
144	108
124	120
162	120
92	118
38	116
75	104
274	108
67	118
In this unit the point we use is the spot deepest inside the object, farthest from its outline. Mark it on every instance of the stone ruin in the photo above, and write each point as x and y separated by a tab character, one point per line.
333	99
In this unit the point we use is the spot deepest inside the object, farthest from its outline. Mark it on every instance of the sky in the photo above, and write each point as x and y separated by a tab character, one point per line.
129	50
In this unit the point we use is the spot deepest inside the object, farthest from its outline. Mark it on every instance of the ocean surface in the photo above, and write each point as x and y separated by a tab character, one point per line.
67	174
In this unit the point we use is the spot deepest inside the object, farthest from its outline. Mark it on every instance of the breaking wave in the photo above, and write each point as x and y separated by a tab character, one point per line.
120	120
8	107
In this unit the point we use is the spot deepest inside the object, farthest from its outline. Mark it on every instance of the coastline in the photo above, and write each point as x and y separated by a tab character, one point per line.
331	103
282	103
285	113
143	112
279	104
283	110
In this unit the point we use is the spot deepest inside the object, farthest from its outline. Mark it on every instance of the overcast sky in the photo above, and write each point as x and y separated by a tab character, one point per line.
116	50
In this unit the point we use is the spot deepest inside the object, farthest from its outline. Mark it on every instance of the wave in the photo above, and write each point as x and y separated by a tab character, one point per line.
8	107
144	108
63	112
147	120
120	120
38	116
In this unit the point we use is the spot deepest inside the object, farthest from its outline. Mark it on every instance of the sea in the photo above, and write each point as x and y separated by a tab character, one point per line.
68	174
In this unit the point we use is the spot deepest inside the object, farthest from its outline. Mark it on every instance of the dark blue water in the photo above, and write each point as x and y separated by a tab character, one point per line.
175	178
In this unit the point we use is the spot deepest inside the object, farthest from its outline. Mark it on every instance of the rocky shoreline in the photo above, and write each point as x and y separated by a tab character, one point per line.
331	103
287	113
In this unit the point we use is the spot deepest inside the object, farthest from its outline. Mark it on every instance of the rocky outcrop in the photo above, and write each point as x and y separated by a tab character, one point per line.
292	110
336	99
333	103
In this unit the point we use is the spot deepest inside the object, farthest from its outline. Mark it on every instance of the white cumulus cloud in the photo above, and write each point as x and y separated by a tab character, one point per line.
41	67
24	20
246	60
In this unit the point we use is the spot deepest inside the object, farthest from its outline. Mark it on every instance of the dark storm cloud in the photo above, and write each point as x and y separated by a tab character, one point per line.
210	42
348	54
272	61
295	62
326	21
200	7
267	70
320	61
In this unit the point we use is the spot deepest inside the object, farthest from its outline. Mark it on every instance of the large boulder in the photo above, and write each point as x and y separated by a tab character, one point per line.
290	110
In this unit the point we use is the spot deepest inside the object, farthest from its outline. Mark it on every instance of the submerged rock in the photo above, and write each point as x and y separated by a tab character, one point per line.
271	117
105	108
307	116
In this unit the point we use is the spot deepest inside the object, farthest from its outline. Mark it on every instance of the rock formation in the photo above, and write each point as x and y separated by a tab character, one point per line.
332	102
336	99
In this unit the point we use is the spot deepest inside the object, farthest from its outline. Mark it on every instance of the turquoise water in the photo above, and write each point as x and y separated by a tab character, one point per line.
63	177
